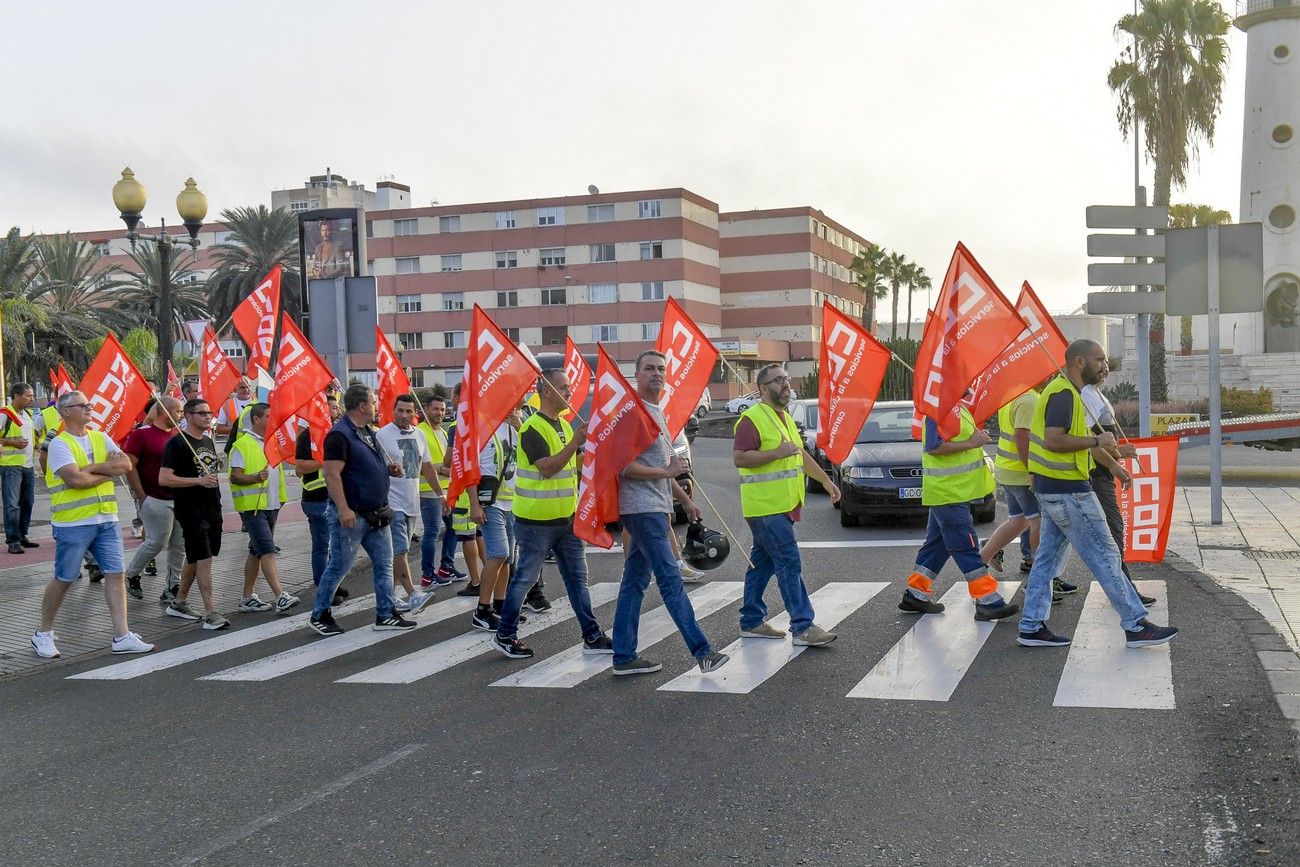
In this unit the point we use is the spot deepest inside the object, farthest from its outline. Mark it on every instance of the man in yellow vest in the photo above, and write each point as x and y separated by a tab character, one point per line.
17	478
769	454
233	411
954	473
46	425
83	510
433	499
259	491
1060	458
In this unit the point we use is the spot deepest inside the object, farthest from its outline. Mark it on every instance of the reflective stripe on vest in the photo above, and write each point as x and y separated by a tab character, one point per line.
11	456
538	498
961	477
76	504
50	415
776	487
1069	466
250	498
437	442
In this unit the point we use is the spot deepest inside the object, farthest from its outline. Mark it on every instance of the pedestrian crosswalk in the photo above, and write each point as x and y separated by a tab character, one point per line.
928	662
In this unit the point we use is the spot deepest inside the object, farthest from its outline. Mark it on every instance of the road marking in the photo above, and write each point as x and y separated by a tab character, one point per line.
866	543
443	655
220	642
929	661
1101	672
754	660
245	831
571	667
322	649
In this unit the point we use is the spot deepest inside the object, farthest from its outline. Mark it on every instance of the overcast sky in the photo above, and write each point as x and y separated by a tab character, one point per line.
916	124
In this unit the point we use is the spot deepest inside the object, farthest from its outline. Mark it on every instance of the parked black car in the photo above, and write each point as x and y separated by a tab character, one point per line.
882	475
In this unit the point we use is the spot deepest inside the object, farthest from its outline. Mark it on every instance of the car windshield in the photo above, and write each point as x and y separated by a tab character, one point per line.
887	426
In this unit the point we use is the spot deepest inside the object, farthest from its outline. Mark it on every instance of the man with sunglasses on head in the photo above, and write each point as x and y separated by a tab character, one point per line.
83	510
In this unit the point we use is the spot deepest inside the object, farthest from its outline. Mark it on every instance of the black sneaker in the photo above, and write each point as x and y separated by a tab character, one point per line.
598	646
325	624
1149	635
16	548
916	605
1064	587
396	623
485	619
1146	600
537	602
1058	598
341	593
640	665
995	611
468	590
997	561
1043	637
339	598
166	597
133	588
1026	566
152	568
96	574
28	543
511	647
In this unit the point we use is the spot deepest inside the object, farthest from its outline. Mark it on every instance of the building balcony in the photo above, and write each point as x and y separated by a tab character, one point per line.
1251	12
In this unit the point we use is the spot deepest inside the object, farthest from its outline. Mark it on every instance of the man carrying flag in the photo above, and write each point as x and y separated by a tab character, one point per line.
17	477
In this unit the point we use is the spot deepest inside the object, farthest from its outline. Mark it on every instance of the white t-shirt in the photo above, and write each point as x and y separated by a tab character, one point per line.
272	478
27	431
487	461
410	449
1098	407
239	407
61	456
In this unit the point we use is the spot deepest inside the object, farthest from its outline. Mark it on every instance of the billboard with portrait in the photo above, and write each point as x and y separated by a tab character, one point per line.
329	245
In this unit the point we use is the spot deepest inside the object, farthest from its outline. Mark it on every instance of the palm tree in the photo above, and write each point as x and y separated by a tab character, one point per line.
1174	85
259	240
896	268
19	315
141	292
75	288
920	282
868	275
1187	216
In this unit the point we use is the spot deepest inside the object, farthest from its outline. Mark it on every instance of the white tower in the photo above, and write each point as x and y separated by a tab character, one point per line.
1270	154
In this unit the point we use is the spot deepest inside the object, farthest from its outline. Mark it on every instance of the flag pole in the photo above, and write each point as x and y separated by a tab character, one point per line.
696	486
1061	372
159	402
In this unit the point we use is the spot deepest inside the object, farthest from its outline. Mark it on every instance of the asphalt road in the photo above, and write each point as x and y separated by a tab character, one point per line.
299	768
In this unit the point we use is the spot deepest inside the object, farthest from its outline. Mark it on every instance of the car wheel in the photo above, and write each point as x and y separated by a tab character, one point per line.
848	519
700	412
813	486
983	514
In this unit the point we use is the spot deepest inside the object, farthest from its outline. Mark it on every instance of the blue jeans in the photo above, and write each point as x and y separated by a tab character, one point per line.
431	517
951	533
650	551
1077	519
19	491
321	515
72	544
448	559
535	542
344	543
775	552
499	533
400	530
260	526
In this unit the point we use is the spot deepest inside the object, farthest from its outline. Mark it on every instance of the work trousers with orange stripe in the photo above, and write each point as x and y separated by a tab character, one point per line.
951	533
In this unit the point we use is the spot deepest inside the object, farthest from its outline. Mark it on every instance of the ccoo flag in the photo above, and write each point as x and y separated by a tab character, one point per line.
853	365
299	377
1024	363
578	372
1148	506
255	318
393	380
116	390
217	376
690	357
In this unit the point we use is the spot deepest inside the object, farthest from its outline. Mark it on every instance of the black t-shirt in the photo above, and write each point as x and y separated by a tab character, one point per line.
1060	413
535	447
302	451
178	457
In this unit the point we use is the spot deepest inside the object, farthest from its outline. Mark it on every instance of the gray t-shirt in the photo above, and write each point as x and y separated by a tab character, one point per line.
649	496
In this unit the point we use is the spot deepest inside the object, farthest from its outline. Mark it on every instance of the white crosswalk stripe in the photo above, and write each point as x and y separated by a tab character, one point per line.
571	667
323	649
754	660
931	659
445	654
1101	672
219	643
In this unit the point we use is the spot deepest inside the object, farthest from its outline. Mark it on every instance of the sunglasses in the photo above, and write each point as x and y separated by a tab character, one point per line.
76	406
204	412
778	380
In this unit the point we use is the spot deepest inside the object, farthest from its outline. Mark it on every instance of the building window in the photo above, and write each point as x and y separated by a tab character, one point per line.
604	333
513	334
553	335
453	340
551	256
406	227
652	291
449	224
508	298
652	249
453	301
451	262
370	228
600	213
299	206
233	351
103	248
411	339
505	219
417	378
648	209
508	259
408	303
550	216
553	295
603	293
408	265
649	330
602	252
453	377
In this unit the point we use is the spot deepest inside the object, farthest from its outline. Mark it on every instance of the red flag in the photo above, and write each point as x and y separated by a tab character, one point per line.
973	321
393	380
619	429
255	318
116	390
852	365
299	377
64	384
173	382
691	357
283	442
1149	506
497	376
578	372
1022	364
217	376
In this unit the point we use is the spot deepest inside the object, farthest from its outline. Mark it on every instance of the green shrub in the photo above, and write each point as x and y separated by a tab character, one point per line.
1243	401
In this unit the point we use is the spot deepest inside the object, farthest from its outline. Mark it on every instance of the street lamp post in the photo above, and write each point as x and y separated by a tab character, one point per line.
129	197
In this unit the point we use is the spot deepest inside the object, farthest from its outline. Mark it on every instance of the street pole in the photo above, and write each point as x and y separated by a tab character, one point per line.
1216	421
165	314
1143	346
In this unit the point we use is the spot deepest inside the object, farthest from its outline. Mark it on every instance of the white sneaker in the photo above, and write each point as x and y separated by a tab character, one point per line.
131	643
418	600
285	602
401	606
44	644
690	574
254	603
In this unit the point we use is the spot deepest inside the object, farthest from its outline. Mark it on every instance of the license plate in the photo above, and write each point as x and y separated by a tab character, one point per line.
909	493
